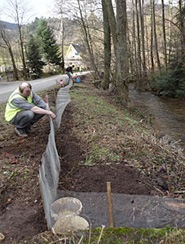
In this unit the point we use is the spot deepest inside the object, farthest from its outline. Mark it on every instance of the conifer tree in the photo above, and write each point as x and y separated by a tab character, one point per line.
34	57
49	47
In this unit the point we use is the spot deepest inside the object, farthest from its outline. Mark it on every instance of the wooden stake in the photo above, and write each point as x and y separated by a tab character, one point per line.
109	196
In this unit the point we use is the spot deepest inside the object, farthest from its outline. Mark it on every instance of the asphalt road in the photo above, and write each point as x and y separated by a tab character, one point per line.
6	88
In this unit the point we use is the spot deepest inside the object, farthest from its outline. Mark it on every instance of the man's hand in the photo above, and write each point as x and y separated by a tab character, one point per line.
52	115
38	110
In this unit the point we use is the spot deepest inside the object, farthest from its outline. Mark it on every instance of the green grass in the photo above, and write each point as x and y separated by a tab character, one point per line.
125	235
130	235
98	154
111	134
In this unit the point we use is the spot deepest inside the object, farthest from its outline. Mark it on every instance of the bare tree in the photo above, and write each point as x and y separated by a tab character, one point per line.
112	23
164	33
61	30
61	39
182	28
107	46
139	79
5	42
152	37
62	9
17	10
155	35
141	11
122	55
88	33
133	41
88	40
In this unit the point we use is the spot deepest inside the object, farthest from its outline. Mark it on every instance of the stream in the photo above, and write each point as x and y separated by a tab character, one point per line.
168	113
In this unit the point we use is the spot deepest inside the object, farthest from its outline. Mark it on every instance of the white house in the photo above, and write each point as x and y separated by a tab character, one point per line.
74	56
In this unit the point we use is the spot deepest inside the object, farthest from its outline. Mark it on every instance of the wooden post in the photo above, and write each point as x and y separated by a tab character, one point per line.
109	196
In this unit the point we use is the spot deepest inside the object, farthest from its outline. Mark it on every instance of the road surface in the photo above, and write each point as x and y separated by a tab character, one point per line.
6	88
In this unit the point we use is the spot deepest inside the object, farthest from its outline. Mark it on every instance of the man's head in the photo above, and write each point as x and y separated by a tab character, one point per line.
25	89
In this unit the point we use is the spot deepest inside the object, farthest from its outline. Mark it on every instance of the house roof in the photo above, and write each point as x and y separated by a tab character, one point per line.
75	53
79	48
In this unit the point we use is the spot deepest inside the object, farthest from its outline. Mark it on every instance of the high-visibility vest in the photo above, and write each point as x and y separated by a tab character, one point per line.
12	110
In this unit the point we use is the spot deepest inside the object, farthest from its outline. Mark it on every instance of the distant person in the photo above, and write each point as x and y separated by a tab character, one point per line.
24	108
69	71
80	69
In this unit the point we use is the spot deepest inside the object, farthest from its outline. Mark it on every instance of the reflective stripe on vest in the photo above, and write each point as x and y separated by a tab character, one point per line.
12	110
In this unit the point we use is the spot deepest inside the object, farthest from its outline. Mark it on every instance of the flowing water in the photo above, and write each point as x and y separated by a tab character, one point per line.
168	113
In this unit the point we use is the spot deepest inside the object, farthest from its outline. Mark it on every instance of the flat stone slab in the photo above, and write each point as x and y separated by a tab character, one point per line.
137	211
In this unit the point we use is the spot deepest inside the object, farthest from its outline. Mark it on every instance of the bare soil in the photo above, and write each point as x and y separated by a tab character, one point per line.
21	209
75	176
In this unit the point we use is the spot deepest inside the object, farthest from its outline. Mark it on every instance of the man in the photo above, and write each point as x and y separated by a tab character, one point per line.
24	108
69	71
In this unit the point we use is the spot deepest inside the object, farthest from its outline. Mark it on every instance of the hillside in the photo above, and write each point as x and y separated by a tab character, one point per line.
8	25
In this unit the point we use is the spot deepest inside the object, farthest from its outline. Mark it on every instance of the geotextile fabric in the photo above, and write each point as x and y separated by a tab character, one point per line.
50	164
137	211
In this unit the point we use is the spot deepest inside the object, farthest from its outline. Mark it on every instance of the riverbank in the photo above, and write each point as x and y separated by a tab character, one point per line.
167	114
95	133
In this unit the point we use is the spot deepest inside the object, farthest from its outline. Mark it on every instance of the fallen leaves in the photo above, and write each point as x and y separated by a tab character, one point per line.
12	159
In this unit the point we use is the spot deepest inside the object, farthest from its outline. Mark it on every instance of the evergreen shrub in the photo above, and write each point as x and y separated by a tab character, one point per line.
170	82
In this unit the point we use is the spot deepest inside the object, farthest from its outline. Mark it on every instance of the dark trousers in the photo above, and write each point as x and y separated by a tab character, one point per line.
25	119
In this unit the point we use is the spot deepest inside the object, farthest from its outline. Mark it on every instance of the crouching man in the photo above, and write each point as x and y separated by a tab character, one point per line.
24	108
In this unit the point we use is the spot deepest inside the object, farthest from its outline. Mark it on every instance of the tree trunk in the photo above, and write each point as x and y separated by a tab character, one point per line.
15	73
22	54
148	63
112	23
88	41
139	76
164	33
155	36
8	46
134	42
122	55
144	73
182	29
152	39
107	47
21	41
62	37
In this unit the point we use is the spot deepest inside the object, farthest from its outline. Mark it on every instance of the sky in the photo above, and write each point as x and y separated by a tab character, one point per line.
39	8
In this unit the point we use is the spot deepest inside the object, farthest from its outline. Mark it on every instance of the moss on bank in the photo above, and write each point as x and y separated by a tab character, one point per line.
115	236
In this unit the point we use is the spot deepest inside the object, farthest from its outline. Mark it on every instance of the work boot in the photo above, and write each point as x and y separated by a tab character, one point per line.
28	129
20	132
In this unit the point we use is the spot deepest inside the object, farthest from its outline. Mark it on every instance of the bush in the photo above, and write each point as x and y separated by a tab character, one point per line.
170	82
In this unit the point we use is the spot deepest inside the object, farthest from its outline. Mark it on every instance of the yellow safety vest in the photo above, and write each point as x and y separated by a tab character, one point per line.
12	110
